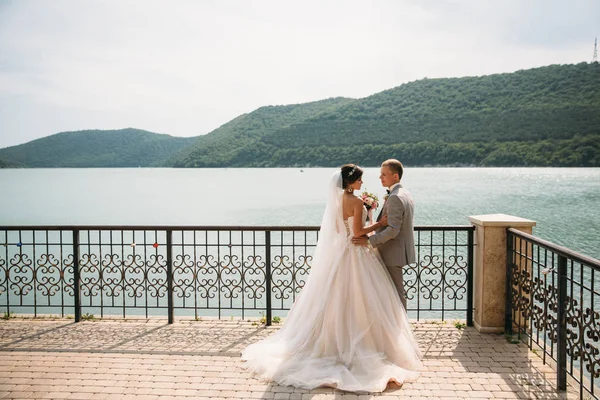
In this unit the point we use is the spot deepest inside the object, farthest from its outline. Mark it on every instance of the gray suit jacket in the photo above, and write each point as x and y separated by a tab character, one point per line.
396	242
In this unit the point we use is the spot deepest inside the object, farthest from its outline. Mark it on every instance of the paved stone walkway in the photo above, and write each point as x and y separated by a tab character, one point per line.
139	359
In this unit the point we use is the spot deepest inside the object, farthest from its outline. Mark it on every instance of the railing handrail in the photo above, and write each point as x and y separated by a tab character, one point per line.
560	250
252	260
551	312
208	227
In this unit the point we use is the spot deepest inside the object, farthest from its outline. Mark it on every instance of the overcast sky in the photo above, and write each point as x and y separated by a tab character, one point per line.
187	67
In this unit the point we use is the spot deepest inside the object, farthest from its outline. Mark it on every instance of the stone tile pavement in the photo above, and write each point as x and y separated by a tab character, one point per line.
149	359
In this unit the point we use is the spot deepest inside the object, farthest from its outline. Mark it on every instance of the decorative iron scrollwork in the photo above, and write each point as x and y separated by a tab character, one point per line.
536	282
120	270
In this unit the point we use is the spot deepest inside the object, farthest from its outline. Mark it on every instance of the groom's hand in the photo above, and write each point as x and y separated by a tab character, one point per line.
360	240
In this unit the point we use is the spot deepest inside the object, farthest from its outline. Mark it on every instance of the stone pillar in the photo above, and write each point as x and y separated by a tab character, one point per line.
489	280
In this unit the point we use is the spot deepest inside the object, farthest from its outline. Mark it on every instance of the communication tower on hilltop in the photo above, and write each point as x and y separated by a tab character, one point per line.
595	58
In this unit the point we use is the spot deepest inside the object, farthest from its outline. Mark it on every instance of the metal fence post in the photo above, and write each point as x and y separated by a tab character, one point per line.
7	272
268	276
170	310
561	351
470	268
76	276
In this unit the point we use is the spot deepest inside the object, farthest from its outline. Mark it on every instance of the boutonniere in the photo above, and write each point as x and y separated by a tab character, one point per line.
386	197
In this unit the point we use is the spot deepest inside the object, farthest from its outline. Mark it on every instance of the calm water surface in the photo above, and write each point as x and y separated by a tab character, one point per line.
564	202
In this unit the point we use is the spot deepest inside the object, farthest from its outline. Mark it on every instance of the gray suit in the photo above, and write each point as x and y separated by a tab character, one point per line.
396	242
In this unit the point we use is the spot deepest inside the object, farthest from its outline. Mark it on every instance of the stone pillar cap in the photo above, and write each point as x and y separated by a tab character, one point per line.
500	220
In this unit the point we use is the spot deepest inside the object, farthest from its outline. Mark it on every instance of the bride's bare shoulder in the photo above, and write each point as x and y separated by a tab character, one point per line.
352	199
357	203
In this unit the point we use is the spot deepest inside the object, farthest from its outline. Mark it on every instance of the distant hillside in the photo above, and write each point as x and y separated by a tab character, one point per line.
555	102
96	148
547	116
8	164
226	144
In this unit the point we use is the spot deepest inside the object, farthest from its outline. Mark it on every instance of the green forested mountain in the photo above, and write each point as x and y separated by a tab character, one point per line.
96	148
7	164
547	116
229	144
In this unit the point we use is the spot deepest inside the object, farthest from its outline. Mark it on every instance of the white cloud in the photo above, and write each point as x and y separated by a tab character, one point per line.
187	67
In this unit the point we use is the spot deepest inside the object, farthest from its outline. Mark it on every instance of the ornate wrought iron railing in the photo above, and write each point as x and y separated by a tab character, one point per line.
204	270
552	303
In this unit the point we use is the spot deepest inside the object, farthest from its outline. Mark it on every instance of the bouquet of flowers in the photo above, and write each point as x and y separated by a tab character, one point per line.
371	201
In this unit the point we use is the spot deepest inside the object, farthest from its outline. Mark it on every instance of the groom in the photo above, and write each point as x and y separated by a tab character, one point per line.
395	242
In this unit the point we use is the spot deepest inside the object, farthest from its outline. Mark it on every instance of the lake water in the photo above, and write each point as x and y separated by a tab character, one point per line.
565	202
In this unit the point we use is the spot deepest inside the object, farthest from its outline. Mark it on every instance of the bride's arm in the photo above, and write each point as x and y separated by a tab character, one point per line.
358	229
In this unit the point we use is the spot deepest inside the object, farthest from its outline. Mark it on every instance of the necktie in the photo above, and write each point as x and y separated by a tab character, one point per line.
386	197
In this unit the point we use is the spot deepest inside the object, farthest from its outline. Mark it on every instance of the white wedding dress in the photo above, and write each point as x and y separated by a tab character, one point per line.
348	328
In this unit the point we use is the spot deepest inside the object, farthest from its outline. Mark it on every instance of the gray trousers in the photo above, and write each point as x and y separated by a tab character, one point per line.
396	274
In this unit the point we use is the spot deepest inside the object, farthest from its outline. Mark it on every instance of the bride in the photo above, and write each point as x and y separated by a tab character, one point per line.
348	328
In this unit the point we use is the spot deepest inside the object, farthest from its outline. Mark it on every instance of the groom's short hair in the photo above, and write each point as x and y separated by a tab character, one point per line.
395	166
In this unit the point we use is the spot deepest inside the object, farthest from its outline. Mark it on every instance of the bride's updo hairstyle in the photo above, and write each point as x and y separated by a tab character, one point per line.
350	174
